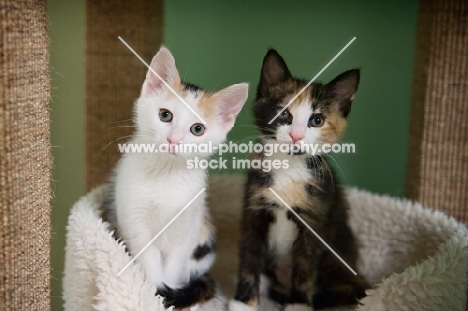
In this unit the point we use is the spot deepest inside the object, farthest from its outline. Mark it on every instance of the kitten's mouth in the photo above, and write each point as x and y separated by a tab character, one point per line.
293	152
295	148
172	149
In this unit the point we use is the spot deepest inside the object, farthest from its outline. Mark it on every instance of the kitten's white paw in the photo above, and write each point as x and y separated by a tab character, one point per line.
236	305
298	307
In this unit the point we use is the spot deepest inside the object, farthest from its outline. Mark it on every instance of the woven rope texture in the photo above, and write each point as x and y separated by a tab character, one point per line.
114	75
437	173
25	160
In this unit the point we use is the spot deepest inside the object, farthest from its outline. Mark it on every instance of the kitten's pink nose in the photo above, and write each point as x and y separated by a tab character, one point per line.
172	141
296	137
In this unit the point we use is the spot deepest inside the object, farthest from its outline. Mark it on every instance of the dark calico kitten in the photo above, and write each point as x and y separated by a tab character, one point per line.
298	270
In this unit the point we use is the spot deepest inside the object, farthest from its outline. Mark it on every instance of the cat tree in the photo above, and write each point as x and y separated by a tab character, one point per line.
25	159
437	171
437	162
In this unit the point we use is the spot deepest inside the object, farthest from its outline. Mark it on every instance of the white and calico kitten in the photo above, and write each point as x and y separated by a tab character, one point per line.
149	189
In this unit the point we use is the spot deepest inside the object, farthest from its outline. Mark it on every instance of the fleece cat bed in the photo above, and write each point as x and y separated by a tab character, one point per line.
414	258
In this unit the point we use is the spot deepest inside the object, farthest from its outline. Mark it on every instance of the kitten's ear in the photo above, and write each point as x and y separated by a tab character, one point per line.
274	71
163	64
343	88
230	101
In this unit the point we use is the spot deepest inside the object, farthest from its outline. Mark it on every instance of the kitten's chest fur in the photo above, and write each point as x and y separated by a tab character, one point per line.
156	196
307	187
289	184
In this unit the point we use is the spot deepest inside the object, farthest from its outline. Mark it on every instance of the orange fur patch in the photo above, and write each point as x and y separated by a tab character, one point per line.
334	127
294	194
207	105
206	101
253	302
294	89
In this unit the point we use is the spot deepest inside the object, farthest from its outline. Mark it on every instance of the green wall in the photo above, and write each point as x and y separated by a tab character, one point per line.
67	70
218	43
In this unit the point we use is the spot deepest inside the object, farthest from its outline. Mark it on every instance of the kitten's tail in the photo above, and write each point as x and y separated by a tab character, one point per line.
196	291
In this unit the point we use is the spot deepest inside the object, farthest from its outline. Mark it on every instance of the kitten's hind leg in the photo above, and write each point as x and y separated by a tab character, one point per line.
337	285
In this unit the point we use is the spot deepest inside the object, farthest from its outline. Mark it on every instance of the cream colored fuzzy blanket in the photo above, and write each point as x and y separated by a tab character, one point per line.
415	258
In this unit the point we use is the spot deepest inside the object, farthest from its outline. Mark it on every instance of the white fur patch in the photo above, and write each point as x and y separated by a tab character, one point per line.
192	308
282	233
264	285
296	171
236	305
298	307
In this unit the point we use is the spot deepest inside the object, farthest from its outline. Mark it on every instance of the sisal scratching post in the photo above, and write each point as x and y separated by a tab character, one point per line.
437	173
25	159
114	75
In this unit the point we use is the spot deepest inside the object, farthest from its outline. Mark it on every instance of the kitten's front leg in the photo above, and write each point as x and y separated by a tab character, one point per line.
150	259
252	258
307	250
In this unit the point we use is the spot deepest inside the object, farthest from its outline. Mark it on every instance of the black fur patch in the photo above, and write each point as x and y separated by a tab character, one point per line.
201	251
277	296
260	177
314	162
311	189
296	296
262	201
191	87
245	292
196	291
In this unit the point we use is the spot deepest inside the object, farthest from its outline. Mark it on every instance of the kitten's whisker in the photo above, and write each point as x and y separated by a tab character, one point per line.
336	164
215	87
121	121
320	92
120	138
330	172
121	126
321	172
216	156
318	171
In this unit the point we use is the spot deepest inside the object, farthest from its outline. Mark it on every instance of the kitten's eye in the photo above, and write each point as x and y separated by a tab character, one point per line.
197	129
165	115
284	114
316	121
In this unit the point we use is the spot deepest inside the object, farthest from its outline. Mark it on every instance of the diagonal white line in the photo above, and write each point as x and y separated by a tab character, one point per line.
160	232
313	79
164	82
312	230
